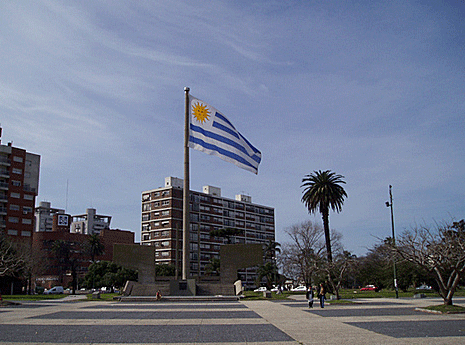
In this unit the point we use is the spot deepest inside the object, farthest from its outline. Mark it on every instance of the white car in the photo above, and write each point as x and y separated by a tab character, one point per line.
299	288
260	289
424	287
54	290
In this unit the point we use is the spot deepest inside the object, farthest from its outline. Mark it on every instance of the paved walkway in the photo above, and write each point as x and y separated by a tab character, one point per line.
374	321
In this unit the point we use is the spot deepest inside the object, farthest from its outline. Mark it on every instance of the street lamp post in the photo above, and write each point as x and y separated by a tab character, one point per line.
389	204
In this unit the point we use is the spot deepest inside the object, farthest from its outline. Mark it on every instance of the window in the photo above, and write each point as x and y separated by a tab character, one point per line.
16	183
146	197
26	233
165	254
165	203
26	221
13	219
27	209
146	207
13	232
15	195
28	197
14	207
165	213
146	237
17	171
17	159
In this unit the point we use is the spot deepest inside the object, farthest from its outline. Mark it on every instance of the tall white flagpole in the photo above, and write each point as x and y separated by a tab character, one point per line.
186	196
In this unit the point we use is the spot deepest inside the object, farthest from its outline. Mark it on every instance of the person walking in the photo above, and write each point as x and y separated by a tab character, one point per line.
321	296
309	296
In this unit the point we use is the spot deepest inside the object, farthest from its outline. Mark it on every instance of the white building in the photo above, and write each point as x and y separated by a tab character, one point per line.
90	223
44	216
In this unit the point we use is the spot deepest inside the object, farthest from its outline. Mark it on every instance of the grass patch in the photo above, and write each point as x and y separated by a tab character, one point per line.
446	309
103	297
31	297
250	295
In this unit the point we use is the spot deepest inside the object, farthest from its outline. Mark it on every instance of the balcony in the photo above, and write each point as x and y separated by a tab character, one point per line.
5	161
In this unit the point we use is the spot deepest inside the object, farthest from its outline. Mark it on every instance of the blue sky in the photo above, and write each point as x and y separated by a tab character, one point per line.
372	90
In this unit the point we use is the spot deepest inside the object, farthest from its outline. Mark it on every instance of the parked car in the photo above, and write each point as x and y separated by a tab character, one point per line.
369	288
299	288
424	287
260	289
54	290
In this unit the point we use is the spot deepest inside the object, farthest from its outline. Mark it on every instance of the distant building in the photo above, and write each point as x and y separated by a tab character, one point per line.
19	185
49	272
44	216
161	224
90	222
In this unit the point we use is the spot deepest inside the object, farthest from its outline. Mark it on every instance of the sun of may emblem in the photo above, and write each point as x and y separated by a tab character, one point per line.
200	112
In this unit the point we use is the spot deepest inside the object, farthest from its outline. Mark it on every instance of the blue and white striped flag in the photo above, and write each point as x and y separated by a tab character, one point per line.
211	132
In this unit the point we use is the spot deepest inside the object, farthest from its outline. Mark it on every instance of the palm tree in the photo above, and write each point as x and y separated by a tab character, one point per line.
95	247
270	249
322	191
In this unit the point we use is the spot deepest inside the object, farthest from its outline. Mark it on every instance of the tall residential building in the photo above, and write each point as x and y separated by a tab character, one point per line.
90	222
19	185
162	224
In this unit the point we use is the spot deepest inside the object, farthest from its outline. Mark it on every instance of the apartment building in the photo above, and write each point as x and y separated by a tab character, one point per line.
44	214
19	185
162	224
90	223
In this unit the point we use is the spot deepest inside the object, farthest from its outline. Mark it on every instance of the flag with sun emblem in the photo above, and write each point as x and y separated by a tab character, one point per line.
212	133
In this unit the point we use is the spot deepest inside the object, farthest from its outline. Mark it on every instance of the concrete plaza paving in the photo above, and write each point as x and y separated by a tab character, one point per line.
370	321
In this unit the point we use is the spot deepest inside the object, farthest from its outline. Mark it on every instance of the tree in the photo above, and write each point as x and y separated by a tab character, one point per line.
12	259
94	246
162	270
440	251
227	233
337	270
322	191
213	267
270	249
108	274
65	252
299	258
269	271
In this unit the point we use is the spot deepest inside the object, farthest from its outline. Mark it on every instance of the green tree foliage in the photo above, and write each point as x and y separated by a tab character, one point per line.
108	274
322	192
213	267
227	233
162	270
269	271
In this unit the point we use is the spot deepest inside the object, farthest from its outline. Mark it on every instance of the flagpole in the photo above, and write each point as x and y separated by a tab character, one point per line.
186	196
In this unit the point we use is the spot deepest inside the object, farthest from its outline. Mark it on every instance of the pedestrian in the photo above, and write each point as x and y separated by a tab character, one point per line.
322	296
158	295
309	296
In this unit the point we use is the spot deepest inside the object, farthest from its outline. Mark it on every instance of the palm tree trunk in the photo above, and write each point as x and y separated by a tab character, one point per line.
325	215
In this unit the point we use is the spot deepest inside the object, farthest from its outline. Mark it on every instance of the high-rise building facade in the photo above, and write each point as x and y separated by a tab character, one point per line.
162	224
19	185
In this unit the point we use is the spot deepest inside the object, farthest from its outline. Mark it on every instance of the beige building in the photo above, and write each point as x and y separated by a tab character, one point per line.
162	224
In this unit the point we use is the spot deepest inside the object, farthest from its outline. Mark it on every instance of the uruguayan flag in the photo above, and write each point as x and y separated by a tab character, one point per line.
211	132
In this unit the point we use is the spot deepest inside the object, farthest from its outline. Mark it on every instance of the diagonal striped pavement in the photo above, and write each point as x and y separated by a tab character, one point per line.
371	321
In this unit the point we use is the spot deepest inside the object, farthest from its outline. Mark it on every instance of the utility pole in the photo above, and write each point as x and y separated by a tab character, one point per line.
389	204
